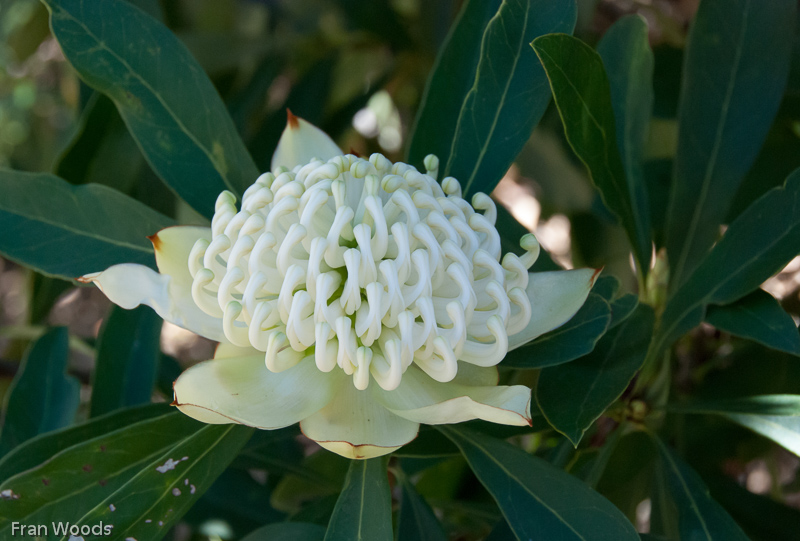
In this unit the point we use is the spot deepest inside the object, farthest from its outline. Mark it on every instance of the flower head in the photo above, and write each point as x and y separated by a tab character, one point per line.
357	296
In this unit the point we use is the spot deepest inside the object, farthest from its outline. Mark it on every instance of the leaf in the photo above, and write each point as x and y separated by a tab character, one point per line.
699	516
128	353
169	484
481	104
170	106
574	395
364	508
46	222
287	531
582	94
64	484
750	509
39	449
776	417
101	150
416	521
538	500
622	308
42	397
576	338
734	75
759	317
756	245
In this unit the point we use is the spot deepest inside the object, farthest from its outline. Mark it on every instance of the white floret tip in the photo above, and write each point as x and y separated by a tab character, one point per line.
363	266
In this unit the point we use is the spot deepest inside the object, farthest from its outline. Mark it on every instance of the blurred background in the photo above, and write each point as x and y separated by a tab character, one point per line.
358	70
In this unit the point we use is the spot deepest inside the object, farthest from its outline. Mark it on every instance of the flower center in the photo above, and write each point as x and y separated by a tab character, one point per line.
363	265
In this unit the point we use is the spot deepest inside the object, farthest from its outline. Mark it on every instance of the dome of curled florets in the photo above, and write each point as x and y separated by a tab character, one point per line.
367	266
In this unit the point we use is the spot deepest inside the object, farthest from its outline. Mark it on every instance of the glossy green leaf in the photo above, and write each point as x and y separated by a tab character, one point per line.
699	516
776	417
45	222
576	338
416	520
538	500
628	60
363	511
622	308
482	102
287	531
582	94
39	449
128	353
101	151
756	245
734	74
759	317
67	482
574	395
42	396
169	105
169	484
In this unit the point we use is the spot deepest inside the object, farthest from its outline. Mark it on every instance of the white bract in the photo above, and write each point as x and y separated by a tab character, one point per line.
355	296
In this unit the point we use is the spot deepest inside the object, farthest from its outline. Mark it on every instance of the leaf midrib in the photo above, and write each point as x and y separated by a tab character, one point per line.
711	164
102	45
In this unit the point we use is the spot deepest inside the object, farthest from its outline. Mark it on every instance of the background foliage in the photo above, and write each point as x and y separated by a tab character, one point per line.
667	406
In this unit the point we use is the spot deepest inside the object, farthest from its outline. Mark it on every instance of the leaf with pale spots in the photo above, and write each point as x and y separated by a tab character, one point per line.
167	485
62	475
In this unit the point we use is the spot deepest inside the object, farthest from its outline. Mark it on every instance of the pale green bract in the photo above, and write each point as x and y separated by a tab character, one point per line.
357	297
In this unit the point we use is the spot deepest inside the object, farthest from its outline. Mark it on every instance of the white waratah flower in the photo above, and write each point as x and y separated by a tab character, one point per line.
357	297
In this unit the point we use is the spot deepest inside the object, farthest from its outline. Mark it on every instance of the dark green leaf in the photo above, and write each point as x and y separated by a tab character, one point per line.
42	396
287	531
734	75
538	500
101	151
170	106
416	521
759	317
46	222
583	97
449	82
64	484
750	510
699	516
39	449
756	245
127	359
363	511
776	417
628	60
574	395
238	499
481	104
623	307
574	339
169	484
